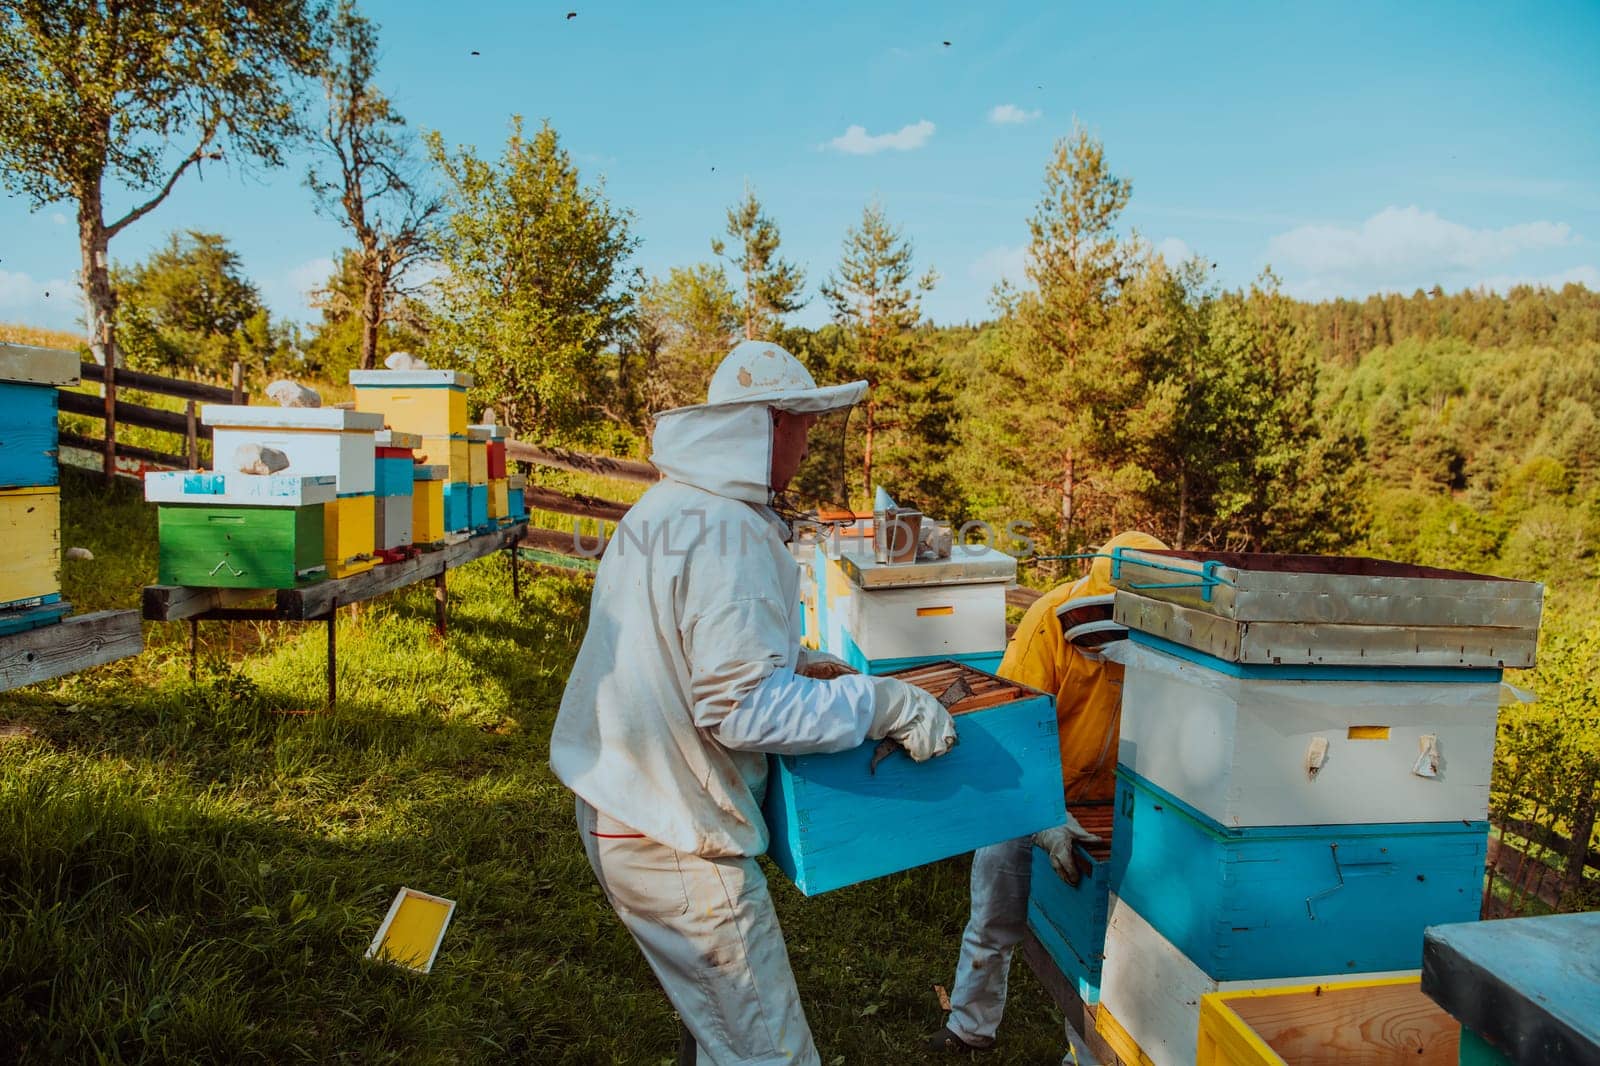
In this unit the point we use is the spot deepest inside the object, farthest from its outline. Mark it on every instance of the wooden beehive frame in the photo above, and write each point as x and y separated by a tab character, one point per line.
987	690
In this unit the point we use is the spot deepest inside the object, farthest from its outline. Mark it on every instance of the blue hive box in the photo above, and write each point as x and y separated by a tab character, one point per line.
28	436
457	513
478	507
834	822
1070	920
394	476
1284	901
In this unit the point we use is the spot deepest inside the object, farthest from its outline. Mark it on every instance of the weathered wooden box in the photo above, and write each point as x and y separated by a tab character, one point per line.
429	402
451	452
317	440
834	822
248	490
1150	992
30	524
1236	741
1386	1021
350	533
1277	901
427	504
233	545
495	453
1330	610
1070	920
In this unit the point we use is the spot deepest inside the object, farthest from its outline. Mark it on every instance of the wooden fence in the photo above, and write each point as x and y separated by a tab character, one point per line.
115	411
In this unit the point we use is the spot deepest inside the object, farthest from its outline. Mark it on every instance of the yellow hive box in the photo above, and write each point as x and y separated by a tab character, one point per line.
499	498
427	512
30	522
348	527
1374	1021
478	455
447	451
429	410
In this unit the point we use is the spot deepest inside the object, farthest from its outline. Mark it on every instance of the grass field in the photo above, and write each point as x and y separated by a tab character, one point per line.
192	870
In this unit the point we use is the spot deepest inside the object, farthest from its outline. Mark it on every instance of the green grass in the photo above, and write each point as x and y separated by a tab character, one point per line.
189	872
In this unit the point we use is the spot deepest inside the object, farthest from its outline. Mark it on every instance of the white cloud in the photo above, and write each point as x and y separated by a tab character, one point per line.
54	304
1405	248
1011	115
58	218
1587	276
1175	251
857	141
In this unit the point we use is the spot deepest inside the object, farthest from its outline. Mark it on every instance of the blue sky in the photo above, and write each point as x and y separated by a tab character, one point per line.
1356	147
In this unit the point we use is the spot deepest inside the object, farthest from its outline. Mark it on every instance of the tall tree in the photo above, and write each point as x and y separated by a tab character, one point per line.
375	189
98	90
1078	265
189	307
536	287
771	285
337	339
905	426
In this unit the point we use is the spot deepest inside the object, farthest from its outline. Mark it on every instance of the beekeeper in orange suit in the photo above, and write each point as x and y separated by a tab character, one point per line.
1057	648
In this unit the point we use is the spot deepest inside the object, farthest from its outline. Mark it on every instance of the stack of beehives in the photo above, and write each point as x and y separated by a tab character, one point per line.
30	485
1303	775
317	442
433	405
394	506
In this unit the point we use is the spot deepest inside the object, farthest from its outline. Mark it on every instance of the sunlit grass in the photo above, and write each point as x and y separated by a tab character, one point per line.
192	870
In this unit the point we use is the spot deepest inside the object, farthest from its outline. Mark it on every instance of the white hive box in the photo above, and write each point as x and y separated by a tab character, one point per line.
317	440
264	490
1150	991
895	615
1237	748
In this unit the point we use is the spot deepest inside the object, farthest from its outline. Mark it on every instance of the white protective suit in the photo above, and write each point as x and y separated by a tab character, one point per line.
685	680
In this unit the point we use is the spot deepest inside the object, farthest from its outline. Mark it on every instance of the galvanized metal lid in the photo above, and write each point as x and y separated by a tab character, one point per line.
969	564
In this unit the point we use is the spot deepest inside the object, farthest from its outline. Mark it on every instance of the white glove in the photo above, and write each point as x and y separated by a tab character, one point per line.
1061	843
912	717
821	666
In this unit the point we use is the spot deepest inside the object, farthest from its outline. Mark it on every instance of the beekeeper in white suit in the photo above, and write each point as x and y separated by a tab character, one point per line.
690	673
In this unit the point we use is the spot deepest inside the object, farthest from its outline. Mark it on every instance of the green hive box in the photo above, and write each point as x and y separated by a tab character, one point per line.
218	546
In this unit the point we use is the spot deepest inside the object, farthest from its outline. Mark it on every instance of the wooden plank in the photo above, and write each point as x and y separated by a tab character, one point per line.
1078	1014
97	447
537	498
68	647
1022	596
172	603
132	414
555	540
315	601
1362	1026
184	390
579	462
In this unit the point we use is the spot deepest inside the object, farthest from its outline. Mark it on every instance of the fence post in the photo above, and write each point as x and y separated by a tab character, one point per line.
238	383
110	469
191	438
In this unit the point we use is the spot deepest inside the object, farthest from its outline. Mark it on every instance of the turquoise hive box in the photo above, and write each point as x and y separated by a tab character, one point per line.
835	822
1070	920
1258	902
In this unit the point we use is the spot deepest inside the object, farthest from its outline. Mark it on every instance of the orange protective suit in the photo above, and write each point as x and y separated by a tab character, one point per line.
1088	689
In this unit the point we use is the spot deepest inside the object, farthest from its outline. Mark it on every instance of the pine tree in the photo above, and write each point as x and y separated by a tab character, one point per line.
771	285
905	426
